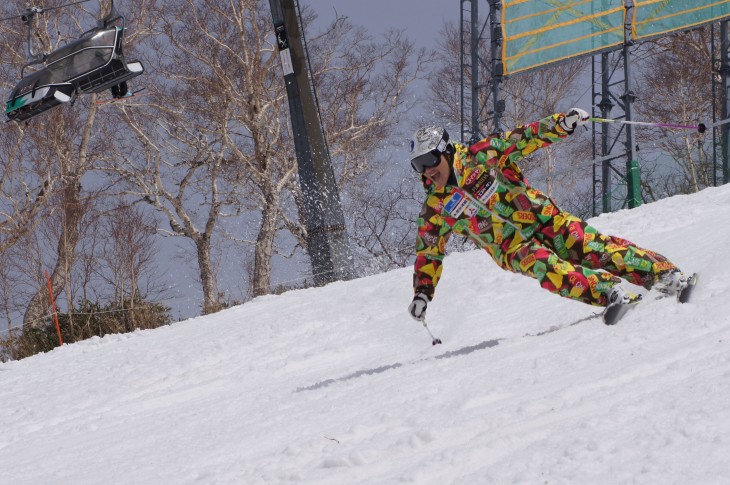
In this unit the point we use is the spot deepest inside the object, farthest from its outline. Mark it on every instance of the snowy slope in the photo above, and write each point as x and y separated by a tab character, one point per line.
337	385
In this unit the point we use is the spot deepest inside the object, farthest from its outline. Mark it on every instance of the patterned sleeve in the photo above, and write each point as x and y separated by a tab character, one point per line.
433	234
530	137
518	143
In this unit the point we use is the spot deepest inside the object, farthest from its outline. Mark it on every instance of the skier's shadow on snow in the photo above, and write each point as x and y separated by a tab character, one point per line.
379	370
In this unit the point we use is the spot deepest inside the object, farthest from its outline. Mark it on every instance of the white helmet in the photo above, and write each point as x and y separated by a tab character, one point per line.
427	145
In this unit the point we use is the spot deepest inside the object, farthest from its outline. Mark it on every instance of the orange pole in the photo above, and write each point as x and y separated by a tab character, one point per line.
53	304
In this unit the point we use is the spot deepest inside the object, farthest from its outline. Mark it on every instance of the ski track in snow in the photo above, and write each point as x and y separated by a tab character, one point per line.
337	385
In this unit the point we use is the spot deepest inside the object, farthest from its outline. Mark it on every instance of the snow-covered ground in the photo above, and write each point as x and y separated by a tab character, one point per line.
338	385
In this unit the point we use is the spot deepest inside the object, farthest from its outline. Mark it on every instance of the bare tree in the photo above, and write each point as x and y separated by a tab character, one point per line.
64	146
669	90
26	180
208	104
128	253
214	139
55	152
73	163
364	88
383	218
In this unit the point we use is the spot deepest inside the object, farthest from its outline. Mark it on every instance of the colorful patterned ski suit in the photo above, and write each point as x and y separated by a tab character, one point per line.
520	227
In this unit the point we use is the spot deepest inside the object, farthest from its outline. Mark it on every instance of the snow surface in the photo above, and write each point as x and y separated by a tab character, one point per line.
337	385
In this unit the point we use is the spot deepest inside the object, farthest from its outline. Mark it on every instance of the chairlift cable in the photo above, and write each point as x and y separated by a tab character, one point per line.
35	10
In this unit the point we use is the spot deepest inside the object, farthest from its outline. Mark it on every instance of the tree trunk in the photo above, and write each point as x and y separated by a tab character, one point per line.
265	247
210	298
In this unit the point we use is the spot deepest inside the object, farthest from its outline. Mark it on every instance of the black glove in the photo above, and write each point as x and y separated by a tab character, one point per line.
417	308
574	118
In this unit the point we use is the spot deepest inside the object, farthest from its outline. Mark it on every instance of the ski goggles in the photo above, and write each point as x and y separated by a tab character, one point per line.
427	160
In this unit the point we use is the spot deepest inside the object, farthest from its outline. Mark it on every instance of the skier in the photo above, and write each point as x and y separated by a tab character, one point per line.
480	192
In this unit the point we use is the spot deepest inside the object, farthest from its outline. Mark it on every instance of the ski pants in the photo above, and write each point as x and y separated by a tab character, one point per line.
571	258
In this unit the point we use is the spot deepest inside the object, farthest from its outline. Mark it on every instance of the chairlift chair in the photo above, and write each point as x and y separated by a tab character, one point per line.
91	64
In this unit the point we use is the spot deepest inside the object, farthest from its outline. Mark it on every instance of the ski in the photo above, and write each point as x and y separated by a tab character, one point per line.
615	312
135	94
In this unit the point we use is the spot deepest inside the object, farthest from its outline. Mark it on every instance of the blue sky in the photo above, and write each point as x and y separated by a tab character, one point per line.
421	20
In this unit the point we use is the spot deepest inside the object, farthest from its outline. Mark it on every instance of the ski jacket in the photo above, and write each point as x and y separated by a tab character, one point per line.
490	202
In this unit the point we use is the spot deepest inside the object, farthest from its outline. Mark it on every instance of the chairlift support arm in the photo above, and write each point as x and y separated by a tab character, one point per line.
27	17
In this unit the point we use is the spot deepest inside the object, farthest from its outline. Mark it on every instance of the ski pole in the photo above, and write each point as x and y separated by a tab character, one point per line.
434	340
701	128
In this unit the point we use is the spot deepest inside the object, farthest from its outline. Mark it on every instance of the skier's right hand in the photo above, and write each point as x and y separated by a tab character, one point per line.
573	119
417	308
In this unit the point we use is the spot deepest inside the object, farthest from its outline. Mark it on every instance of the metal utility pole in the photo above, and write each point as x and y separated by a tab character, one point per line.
327	241
497	68
633	174
602	100
475	93
606	98
721	83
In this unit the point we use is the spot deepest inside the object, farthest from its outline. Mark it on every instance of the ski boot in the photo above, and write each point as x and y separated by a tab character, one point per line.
671	283
675	283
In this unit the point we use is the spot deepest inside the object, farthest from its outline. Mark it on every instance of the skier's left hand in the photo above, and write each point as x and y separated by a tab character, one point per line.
572	119
417	308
